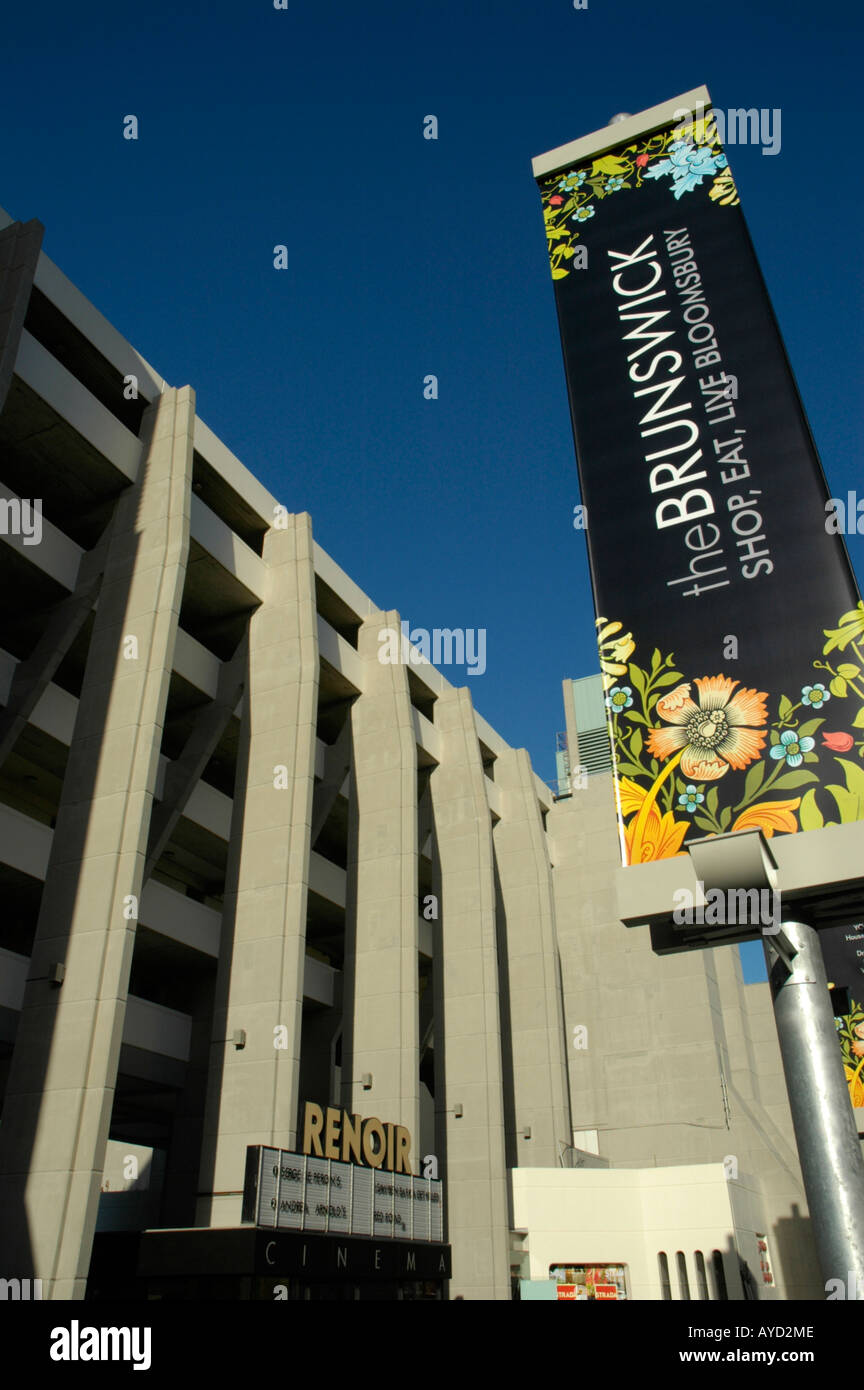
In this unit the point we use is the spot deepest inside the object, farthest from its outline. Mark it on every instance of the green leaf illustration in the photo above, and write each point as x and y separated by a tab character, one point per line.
851	626
726	817
637	679
854	782
625	769
609	164
850	799
797	778
785	707
847	804
636	743
858	721
753	781
668	678
835	637
838	687
847	670
809	727
808	812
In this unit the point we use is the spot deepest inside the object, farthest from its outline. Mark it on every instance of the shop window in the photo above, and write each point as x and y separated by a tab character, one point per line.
765	1260
578	1282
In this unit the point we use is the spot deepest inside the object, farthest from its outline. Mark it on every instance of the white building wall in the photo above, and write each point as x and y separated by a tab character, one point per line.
628	1216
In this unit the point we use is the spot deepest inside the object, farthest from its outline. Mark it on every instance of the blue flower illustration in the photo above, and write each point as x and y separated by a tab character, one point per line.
792	748
814	695
573	181
619	697
690	798
614	183
688	164
582	214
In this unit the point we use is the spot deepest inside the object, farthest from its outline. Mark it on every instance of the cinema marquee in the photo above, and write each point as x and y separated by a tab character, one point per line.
352	1178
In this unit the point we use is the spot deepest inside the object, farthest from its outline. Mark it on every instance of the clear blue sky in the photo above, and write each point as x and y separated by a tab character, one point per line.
409	256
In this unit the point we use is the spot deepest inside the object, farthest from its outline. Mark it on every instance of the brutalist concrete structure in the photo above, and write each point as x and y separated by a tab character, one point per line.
246	865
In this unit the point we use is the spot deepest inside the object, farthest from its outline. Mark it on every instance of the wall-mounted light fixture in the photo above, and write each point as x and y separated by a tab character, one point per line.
55	974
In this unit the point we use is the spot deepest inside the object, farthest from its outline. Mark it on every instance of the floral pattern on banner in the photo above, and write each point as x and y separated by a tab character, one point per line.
676	738
850	1030
685	155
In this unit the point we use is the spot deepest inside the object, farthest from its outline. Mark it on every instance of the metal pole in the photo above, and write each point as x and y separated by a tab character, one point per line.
825	1129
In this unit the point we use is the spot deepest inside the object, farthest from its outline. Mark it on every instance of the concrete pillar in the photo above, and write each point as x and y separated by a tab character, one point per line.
382	1014
252	1091
583	845
468	1071
61	1084
530	976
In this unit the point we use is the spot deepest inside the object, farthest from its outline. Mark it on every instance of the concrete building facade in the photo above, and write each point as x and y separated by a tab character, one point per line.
247	865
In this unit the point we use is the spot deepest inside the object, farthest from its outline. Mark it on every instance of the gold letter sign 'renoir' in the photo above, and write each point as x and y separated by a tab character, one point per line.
355	1139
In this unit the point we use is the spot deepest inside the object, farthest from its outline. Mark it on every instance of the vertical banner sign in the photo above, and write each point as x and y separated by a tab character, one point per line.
843	953
730	628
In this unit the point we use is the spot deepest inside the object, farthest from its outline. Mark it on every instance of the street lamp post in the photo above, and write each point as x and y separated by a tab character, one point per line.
828	1145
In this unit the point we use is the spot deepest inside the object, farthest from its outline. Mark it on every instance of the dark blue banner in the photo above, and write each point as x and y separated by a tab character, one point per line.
730	628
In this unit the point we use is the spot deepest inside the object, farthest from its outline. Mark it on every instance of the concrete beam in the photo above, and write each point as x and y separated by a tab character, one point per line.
34	675
185	771
337	761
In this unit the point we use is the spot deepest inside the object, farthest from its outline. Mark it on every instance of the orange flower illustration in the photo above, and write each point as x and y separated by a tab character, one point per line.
658	837
856	1087
651	836
770	816
714	735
